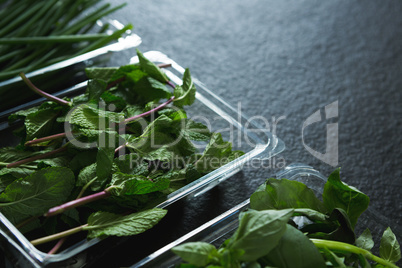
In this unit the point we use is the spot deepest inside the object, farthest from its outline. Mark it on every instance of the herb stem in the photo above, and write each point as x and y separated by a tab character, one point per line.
58	235
42	93
4	164
51	39
48	138
57	246
37	157
170	83
150	111
77	202
85	187
120	147
340	246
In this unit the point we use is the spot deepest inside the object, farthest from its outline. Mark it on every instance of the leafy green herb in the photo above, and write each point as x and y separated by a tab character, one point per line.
129	143
272	236
102	224
34	194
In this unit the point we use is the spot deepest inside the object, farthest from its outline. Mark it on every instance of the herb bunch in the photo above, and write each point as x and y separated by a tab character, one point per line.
100	162
288	226
35	34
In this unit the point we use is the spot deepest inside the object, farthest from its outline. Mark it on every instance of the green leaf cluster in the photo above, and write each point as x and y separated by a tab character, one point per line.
133	163
270	233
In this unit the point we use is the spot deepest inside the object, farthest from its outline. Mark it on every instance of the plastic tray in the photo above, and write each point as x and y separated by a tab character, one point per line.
244	134
69	72
222	227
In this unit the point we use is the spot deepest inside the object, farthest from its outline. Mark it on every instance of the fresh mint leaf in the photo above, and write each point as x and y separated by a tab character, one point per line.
5	180
125	184
86	116
161	141
131	164
294	250
17	172
36	193
104	73
88	175
196	253
259	232
40	123
104	162
151	89
390	249
150	68
283	193
106	224
216	154
185	94
338	194
111	99
195	131
95	89
11	154
21	114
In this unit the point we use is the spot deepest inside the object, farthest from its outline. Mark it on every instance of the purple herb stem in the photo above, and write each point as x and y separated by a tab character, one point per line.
150	111
77	202
170	83
48	138
37	157
42	93
57	246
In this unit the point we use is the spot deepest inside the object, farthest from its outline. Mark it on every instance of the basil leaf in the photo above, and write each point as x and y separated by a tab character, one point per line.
151	69
390	249
283	193
105	224
196	253
36	193
365	240
338	194
294	250
259	232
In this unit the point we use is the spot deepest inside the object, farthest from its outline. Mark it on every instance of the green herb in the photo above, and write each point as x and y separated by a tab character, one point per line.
34	35
127	145
268	236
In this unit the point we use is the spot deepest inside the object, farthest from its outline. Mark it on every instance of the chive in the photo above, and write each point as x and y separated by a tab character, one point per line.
26	28
21	19
52	39
10	15
89	18
102	42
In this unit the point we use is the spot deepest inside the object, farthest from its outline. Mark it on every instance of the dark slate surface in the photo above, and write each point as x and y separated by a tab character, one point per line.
285	59
288	59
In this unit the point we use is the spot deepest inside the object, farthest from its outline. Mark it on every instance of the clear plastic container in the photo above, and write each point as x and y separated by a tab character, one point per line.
244	135
222	227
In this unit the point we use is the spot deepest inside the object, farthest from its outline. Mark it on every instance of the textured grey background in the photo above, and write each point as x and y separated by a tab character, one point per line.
291	58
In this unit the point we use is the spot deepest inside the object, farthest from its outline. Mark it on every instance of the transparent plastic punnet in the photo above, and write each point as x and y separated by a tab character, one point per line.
245	135
217	230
